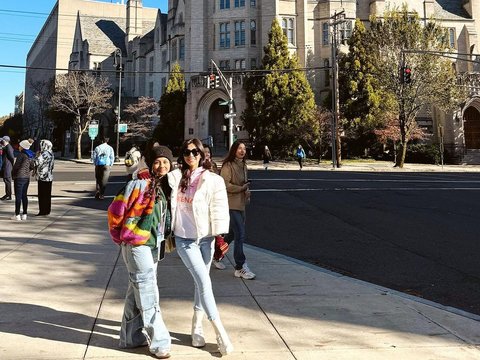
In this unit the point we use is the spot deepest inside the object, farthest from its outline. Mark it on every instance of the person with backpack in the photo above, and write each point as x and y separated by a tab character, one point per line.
300	155
103	158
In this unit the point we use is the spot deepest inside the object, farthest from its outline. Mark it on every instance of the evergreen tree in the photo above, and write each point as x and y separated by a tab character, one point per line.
280	104
169	130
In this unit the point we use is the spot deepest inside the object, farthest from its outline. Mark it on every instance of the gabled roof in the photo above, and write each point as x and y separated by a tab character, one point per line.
450	9
103	35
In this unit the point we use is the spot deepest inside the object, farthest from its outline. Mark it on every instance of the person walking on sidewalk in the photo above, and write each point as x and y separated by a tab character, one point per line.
199	212
220	246
103	158
139	221
300	155
8	159
21	179
235	174
266	156
43	168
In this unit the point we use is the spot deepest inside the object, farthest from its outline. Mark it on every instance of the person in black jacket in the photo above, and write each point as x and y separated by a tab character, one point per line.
21	178
7	164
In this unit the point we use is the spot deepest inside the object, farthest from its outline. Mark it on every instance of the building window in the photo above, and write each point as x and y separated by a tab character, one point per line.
452	38
174	50
239	33
181	56
253	32
150	89
224	35
239	3
345	31
326	64
240	64
325	34
288	26
253	64
97	67
253	3
164	59
224	64
164	84
224	4
150	64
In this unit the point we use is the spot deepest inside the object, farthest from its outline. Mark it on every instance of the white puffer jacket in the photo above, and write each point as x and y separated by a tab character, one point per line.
210	204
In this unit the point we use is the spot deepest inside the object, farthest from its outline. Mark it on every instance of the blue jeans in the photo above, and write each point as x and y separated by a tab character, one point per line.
237	235
197	258
142	317
21	188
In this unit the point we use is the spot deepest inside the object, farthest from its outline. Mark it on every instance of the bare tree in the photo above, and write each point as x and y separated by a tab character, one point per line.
142	117
82	95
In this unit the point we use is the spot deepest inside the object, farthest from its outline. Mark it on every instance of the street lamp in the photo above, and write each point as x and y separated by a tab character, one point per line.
118	53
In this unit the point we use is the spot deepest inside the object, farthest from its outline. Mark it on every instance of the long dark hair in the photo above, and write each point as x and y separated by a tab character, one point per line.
233	151
185	168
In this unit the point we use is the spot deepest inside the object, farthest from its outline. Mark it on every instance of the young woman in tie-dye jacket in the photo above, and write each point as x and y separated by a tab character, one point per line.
139	220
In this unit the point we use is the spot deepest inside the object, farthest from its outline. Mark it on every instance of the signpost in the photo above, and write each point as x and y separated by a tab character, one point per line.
122	128
229	115
92	132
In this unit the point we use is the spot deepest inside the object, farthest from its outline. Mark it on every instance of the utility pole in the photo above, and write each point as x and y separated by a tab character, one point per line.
228	84
336	19
118	53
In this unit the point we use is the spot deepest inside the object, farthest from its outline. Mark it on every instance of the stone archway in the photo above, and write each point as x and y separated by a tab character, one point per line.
210	114
471	125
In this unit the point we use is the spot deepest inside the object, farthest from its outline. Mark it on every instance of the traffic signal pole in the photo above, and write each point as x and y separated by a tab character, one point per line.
228	85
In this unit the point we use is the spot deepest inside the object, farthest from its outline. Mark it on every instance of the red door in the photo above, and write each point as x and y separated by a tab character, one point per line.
471	125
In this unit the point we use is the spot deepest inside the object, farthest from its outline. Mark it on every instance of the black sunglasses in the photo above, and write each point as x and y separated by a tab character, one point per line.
194	152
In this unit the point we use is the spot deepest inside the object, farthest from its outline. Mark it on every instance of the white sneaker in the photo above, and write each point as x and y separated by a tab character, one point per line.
16	217
218	264
245	273
23	216
163	354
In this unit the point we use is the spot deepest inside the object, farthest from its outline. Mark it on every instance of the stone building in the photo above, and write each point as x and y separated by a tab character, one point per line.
233	33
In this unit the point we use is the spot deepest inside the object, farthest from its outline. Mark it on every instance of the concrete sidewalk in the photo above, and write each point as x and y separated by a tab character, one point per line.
63	285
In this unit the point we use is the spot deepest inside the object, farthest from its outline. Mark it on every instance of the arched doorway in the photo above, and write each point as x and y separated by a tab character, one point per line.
471	118
216	126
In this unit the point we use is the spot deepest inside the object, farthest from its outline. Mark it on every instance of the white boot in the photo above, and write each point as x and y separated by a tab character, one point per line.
198	339
224	345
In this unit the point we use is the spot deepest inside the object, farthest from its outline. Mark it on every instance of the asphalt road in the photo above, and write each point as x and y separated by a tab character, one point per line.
413	232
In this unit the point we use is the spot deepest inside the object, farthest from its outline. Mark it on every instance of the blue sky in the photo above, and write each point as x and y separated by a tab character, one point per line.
20	22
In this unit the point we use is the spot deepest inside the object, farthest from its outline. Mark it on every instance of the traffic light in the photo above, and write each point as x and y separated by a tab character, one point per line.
211	81
217	81
407	74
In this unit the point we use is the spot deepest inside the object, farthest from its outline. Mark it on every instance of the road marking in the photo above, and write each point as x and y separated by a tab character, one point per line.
376	180
367	189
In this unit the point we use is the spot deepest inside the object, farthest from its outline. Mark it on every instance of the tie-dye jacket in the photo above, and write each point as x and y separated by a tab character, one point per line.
134	217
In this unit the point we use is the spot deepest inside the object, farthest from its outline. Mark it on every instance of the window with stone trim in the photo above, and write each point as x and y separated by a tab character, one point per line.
325	34
253	3
239	3
240	64
240	33
150	89
181	44
164	59
452	38
326	72
224	35
288	27
253	32
174	50
345	31
224	64
224	4
253	63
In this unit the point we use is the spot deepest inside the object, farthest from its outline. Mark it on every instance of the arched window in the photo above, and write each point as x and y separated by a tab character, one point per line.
253	32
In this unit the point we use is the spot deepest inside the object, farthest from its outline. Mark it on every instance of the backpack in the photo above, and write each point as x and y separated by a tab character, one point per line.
102	159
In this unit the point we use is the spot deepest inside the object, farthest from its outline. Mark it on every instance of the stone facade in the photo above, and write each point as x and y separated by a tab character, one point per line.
233	33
